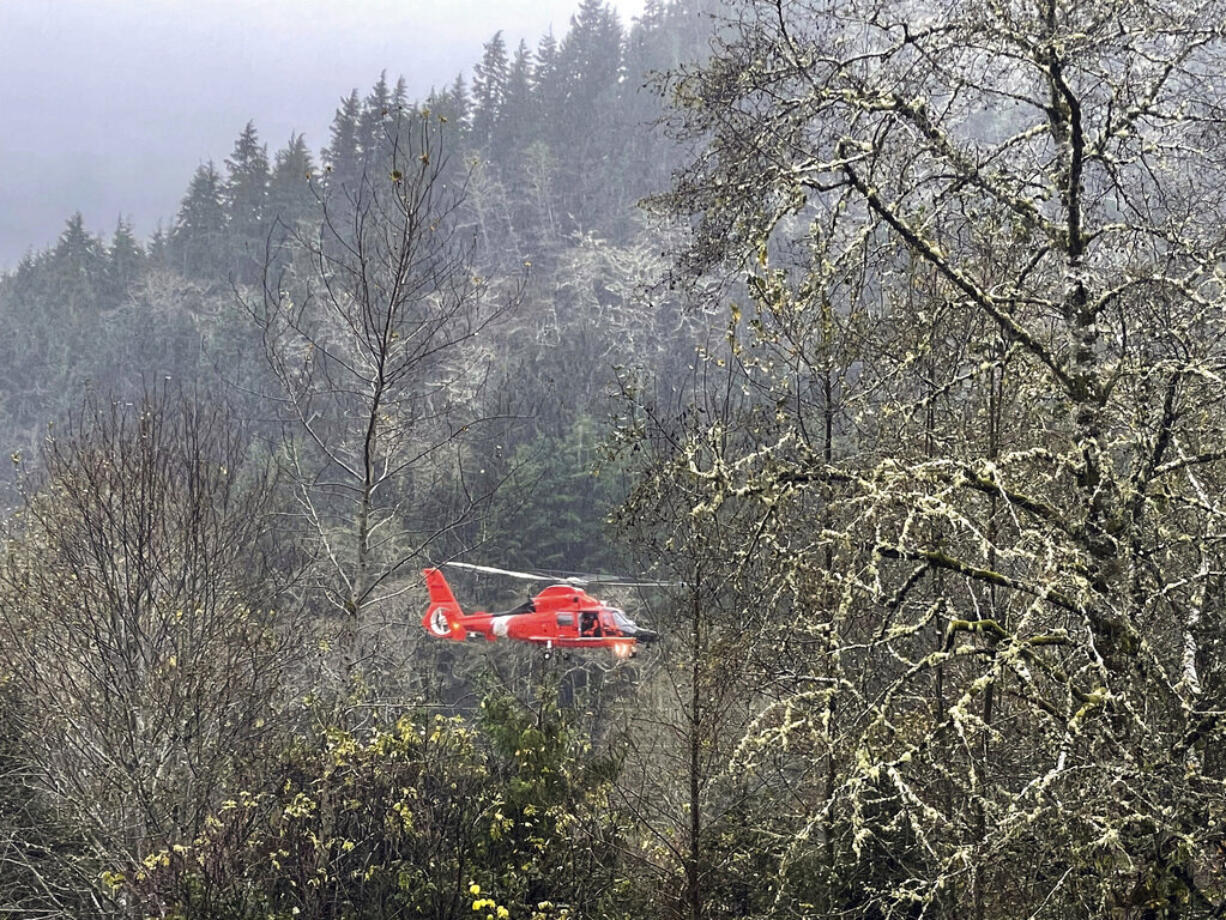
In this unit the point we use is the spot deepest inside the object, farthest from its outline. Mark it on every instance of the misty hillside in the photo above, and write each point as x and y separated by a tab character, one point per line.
764	460
554	148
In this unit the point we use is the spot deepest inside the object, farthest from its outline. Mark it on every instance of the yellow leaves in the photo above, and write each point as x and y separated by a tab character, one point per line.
158	860
405	812
495	909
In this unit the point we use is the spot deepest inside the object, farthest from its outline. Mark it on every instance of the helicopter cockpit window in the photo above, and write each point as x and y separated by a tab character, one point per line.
619	618
566	619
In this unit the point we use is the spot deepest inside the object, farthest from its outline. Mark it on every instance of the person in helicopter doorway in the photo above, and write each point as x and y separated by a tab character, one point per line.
589	623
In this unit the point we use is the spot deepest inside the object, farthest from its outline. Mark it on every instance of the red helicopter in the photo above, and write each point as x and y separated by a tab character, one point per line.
561	616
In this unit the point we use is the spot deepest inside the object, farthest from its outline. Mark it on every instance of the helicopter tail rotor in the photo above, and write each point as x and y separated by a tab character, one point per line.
442	617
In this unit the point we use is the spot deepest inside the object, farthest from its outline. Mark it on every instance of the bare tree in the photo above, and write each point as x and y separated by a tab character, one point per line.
370	323
46	870
999	557
140	619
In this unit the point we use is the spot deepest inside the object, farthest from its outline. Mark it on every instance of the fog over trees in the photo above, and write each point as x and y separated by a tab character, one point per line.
884	336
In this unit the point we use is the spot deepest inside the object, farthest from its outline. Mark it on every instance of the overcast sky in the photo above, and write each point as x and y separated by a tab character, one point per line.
108	106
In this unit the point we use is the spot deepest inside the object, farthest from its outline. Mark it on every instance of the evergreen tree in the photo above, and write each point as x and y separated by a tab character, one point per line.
587	128
342	156
246	189
245	197
198	242
400	96
547	84
656	44
489	90
590	60
78	268
159	245
125	263
400	104
290	198
513	128
461	103
452	108
375	125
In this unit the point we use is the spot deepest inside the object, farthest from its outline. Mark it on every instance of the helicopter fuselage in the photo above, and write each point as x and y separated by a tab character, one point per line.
561	616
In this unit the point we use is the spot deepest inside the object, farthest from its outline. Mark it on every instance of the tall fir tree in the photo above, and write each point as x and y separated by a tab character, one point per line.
590	60
452	108
375	125
78	265
460	103
245	196
656	44
125	263
290	195
342	156
197	245
513	129
158	251
489	90
547	84
586	128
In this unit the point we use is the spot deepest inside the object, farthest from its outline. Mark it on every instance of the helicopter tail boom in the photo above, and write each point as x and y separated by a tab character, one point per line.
443	616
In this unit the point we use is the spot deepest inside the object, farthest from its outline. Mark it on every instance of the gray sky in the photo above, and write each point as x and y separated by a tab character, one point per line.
107	106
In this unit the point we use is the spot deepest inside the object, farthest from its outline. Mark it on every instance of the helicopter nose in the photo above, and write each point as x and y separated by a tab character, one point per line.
646	635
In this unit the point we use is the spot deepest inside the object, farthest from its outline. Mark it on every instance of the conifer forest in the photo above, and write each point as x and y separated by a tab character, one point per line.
881	344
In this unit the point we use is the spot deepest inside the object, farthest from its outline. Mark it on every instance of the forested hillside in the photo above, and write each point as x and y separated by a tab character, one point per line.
548	152
884	338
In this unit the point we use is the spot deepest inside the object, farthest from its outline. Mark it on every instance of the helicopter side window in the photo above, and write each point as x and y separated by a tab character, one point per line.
588	624
620	620
566	619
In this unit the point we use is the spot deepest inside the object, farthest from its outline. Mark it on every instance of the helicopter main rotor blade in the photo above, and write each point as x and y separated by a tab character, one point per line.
525	576
613	581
